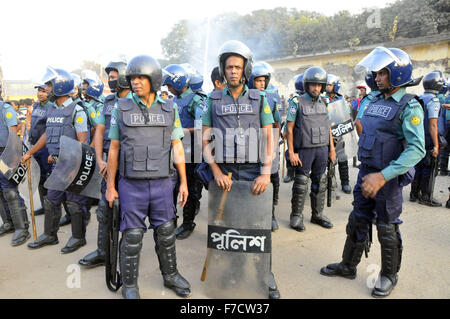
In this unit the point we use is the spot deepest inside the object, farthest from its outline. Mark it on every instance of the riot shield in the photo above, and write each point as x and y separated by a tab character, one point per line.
14	170
342	127
76	170
239	243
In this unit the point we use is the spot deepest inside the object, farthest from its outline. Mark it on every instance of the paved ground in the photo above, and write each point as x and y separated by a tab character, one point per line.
297	258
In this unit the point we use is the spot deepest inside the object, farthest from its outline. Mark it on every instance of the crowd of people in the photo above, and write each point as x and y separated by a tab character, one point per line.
156	150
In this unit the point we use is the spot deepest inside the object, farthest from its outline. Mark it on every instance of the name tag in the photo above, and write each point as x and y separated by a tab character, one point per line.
232	109
379	110
55	120
139	119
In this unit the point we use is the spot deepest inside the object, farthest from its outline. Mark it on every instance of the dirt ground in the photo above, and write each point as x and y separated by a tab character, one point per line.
297	258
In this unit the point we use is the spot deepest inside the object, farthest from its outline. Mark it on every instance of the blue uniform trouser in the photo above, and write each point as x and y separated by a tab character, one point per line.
386	206
139	199
314	164
57	197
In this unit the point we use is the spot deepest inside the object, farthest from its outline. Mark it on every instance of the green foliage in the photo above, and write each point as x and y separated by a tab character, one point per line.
282	32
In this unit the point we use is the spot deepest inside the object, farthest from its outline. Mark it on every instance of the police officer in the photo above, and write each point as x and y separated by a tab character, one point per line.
120	88
310	145
370	81
144	129
92	103
434	126
177	80
12	206
332	93
37	128
444	152
391	121
217	80
299	90
76	97
235	65
67	118
260	80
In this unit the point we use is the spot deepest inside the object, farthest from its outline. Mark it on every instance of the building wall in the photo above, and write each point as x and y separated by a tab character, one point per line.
426	57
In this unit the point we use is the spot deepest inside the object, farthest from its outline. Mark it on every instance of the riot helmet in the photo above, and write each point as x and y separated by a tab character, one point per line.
259	69
62	83
315	74
95	88
176	76
121	83
147	66
335	81
433	82
299	89
396	61
235	48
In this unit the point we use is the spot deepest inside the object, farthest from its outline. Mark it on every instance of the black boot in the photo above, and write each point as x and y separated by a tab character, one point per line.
97	257
343	173
8	226
275	179
77	240
426	198
391	256
130	250
353	250
165	249
18	215
351	257
51	226
299	191
65	220
188	225
318	204
42	193
415	188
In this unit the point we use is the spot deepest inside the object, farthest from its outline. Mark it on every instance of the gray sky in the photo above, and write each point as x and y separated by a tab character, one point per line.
32	30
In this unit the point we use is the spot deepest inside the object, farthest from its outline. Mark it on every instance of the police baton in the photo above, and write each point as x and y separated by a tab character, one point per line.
30	191
219	217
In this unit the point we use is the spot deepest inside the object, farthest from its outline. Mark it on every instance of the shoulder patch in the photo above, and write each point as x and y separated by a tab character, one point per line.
415	120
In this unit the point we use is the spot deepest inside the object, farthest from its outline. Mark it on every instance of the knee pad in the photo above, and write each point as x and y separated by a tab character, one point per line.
165	235
300	184
388	234
132	241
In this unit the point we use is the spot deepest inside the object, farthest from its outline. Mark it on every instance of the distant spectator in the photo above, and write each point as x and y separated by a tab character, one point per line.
164	95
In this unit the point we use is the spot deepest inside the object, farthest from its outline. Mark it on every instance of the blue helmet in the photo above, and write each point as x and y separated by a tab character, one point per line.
196	82
370	81
335	81
259	69
396	61
299	88
176	76
63	83
95	88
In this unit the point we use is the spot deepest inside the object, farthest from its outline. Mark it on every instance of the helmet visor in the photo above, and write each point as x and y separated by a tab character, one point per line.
50	74
378	59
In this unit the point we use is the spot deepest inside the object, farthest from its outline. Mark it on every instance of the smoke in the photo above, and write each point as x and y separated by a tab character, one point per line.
206	36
